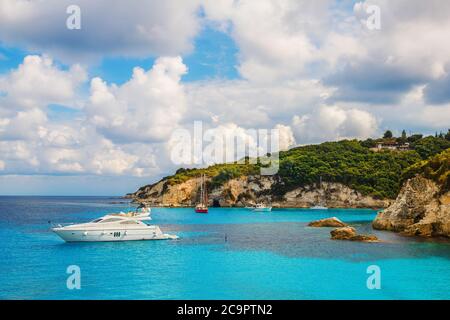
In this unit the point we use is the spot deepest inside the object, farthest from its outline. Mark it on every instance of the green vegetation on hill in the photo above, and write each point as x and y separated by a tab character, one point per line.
436	168
430	146
220	173
347	162
350	162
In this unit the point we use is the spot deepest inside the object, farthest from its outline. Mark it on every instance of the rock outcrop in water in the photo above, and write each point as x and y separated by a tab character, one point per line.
248	190
343	231
421	209
327	223
349	233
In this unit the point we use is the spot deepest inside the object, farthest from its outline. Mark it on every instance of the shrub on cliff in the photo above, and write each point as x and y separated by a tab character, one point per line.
437	168
429	146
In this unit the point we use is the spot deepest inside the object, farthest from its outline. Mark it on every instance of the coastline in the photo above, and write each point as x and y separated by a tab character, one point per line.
274	206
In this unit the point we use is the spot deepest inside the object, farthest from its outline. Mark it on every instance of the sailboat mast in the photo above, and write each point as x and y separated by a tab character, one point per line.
201	189
205	193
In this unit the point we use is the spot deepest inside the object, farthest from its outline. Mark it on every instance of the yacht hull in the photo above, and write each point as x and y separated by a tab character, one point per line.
262	209
111	235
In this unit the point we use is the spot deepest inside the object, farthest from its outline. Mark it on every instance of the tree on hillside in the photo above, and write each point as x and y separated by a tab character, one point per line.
403	138
447	136
403	134
369	143
430	146
415	137
388	134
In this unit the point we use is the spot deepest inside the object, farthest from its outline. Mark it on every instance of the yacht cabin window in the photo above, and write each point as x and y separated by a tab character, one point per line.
110	220
129	222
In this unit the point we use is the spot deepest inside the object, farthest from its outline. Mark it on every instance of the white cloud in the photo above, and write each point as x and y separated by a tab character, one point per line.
252	105
333	123
146	108
38	82
275	41
90	154
286	137
287	39
411	35
407	51
125	28
31	143
291	39
309	68
23	126
226	143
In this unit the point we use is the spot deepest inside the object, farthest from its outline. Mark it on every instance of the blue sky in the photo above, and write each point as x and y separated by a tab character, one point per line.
214	56
94	111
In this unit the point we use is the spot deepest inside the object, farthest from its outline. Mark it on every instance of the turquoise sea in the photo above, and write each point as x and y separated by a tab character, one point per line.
227	254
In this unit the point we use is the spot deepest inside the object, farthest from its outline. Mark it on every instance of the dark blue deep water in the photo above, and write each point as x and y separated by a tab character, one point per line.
266	256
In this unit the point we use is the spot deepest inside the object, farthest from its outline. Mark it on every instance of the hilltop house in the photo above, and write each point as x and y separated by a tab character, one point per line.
392	145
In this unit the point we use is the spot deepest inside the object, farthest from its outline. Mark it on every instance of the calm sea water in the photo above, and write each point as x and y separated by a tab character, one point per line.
266	256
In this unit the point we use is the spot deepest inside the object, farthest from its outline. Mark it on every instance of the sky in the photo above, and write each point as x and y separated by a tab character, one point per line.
93	111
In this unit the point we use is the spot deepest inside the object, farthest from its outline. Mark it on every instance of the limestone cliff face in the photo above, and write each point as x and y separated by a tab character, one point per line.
163	194
421	209
332	195
248	190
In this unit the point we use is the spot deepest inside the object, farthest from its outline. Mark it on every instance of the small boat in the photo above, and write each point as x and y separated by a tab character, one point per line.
113	227
262	208
202	207
319	208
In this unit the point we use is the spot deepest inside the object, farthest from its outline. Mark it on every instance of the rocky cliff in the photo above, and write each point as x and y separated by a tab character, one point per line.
353	175
421	209
248	190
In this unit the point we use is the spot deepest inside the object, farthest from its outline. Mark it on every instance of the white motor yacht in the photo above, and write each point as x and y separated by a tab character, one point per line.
113	227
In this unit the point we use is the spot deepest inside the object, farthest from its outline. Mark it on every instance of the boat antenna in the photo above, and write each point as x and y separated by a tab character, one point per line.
141	206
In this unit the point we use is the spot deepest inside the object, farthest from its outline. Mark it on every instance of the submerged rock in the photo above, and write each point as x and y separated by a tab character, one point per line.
328	222
421	209
349	233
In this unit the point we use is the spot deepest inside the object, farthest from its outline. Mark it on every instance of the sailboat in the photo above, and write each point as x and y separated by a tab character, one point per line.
320	205
202	206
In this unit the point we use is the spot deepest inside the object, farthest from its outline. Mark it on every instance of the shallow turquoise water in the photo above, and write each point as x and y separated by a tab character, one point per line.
265	256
